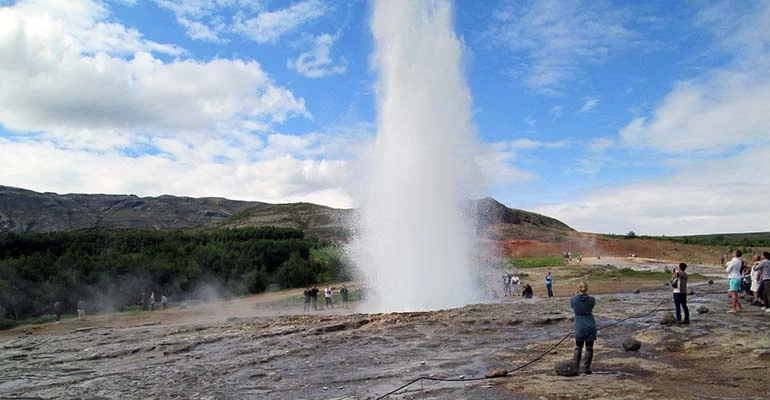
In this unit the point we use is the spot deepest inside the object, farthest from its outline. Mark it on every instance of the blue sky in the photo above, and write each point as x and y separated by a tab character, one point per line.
611	116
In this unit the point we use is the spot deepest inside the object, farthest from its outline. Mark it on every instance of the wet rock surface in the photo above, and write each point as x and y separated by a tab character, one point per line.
271	354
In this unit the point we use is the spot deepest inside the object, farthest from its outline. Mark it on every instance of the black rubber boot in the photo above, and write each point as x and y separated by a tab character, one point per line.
589	358
576	357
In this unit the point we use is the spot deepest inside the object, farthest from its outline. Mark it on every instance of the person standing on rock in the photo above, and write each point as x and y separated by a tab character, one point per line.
734	278
328	296
57	309
314	297
344	296
306	293
679	283
754	276
81	309
764	285
549	284
585	325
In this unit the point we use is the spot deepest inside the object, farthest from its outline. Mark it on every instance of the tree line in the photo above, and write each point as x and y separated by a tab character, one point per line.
109	270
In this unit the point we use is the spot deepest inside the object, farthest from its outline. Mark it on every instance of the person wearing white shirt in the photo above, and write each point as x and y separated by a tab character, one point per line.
734	277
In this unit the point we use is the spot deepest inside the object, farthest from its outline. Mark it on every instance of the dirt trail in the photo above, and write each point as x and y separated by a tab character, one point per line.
262	348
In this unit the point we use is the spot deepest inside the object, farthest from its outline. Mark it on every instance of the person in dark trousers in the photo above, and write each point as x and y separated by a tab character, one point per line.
764	283
549	284
57	309
306	293
585	325
679	283
527	291
344	296
314	297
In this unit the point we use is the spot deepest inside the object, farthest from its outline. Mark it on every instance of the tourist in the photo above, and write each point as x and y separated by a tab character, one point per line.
549	284
734	278
755	277
163	301
679	283
585	325
328	296
506	284
306	293
142	302
527	291
152	301
764	285
314	297
344	296
57	309
81	309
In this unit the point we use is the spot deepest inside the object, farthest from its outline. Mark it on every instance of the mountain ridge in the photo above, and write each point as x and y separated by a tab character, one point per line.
27	211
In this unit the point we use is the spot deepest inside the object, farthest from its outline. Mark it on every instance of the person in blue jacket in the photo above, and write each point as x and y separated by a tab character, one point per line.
585	325
549	284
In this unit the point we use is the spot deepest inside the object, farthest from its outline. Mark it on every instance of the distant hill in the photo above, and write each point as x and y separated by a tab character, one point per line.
28	211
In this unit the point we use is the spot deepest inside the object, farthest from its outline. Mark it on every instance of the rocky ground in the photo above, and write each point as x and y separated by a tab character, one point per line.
265	348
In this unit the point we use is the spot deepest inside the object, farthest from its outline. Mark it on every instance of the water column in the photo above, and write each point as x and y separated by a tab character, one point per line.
415	237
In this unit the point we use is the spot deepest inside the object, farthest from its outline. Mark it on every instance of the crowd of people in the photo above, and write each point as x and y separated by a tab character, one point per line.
509	281
311	297
148	303
754	279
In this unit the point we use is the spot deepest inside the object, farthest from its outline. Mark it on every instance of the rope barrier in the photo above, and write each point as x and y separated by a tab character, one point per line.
503	373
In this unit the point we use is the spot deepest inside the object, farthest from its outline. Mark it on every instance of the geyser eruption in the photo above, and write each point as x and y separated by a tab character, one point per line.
415	238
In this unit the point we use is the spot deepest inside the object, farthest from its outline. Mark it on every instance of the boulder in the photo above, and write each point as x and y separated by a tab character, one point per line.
631	344
637	291
566	368
668	319
702	310
711	281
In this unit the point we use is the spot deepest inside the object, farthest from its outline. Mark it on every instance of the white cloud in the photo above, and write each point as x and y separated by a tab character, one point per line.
202	20
498	160
703	196
182	168
594	157
600	144
529	144
555	39
318	62
80	25
86	85
556	110
90	106
589	104
213	20
725	107
716	126
530	121
268	26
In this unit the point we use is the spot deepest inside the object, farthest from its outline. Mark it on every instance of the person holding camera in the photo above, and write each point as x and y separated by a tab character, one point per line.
679	283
